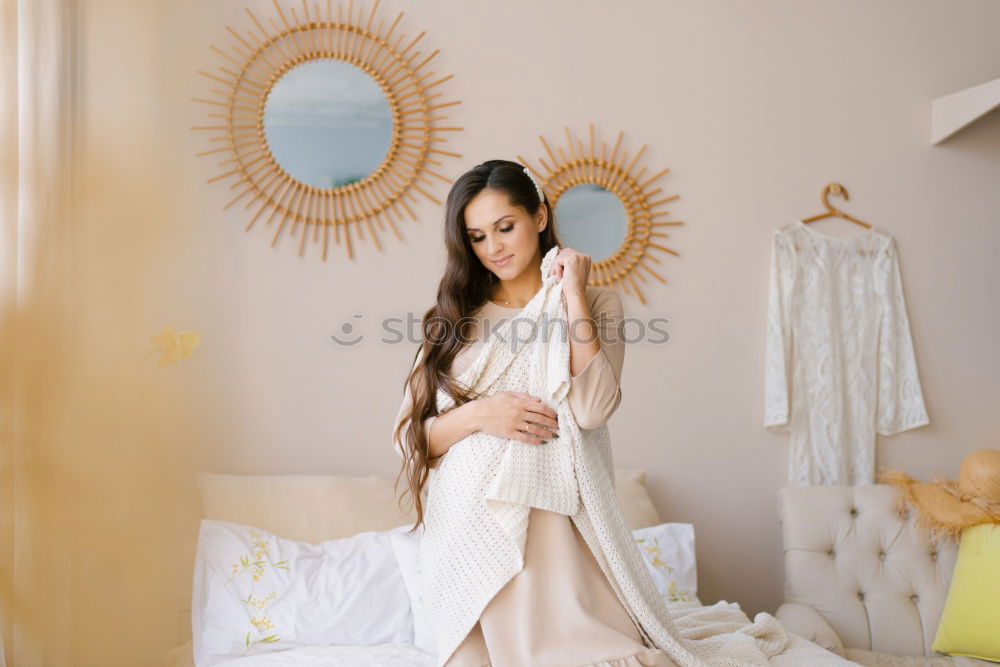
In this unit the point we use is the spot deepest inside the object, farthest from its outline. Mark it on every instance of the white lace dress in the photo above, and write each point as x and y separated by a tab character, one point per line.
839	361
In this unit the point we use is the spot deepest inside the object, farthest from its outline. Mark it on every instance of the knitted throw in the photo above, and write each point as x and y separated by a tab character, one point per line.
479	498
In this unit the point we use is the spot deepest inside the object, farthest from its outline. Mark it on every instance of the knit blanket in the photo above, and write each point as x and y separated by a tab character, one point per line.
479	498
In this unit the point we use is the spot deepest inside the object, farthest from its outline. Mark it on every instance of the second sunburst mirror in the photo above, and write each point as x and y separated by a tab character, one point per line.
608	209
330	122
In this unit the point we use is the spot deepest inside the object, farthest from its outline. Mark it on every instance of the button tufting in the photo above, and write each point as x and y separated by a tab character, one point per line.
854	511
861	596
913	598
881	555
933	555
830	552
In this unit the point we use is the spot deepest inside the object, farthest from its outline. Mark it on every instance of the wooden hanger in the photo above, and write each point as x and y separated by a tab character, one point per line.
835	189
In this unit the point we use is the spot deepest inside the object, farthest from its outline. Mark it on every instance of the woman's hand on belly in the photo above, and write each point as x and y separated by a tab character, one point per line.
516	415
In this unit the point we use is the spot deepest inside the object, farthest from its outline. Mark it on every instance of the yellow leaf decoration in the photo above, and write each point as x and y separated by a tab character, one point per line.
256	605
652	547
174	345
675	594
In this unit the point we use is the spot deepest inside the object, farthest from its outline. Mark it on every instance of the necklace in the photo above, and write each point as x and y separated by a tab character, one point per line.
497	298
500	299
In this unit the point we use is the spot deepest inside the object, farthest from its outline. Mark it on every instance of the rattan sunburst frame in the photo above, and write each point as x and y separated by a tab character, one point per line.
614	173
261	57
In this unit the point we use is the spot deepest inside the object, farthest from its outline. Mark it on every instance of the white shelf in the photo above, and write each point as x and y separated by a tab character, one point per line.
951	113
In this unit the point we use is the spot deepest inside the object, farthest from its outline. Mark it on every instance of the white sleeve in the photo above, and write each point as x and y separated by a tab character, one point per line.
778	351
900	399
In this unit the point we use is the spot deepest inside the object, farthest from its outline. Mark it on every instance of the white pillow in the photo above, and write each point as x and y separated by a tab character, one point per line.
255	592
407	550
667	549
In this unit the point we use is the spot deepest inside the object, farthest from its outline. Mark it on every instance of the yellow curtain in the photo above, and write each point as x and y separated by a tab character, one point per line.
36	125
98	507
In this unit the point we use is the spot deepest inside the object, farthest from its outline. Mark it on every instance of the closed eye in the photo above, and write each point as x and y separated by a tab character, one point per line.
477	239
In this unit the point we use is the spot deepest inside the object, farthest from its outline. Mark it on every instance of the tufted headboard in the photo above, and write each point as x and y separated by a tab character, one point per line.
851	558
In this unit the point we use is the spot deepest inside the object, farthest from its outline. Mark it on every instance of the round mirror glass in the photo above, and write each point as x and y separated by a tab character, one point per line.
327	123
591	220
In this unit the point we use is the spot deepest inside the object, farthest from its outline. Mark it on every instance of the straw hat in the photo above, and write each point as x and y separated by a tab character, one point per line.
944	508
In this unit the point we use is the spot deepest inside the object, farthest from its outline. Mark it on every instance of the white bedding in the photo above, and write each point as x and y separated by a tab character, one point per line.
799	651
382	655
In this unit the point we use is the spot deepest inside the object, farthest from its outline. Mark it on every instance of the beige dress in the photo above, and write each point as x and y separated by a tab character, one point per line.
560	610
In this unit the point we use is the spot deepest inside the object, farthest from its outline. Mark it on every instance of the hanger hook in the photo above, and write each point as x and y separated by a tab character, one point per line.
834	189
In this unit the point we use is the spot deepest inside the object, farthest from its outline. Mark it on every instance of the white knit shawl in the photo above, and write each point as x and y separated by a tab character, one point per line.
479	498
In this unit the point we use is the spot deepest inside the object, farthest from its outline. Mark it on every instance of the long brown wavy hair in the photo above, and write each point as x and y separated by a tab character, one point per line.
447	326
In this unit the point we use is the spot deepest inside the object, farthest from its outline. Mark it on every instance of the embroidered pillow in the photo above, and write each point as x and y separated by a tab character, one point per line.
668	550
255	592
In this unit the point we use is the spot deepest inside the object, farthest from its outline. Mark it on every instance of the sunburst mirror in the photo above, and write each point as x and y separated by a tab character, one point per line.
607	209
330	124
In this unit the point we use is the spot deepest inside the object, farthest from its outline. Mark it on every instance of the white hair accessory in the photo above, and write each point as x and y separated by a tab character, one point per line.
538	186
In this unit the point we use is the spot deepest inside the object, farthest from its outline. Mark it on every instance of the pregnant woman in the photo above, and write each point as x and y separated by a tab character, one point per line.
560	608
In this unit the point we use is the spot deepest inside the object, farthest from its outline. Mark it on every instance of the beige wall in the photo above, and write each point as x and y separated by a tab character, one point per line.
753	106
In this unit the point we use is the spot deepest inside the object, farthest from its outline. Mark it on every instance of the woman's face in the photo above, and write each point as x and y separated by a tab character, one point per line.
498	230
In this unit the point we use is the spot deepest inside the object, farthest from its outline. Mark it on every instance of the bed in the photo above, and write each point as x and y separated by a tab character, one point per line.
350	530
798	652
